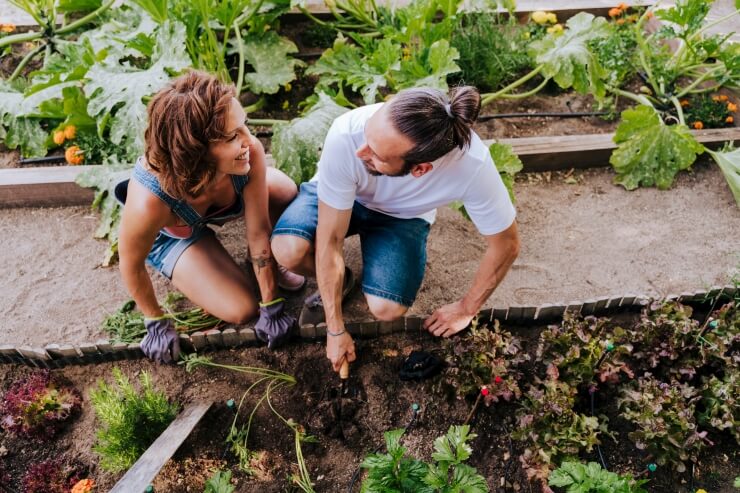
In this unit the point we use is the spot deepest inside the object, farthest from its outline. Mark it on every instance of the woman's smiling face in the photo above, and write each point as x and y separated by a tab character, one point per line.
231	155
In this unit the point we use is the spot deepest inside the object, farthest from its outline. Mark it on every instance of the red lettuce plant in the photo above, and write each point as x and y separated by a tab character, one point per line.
37	406
664	415
720	403
50	476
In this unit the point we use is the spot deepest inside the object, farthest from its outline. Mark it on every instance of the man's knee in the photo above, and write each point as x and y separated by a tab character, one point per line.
385	310
289	250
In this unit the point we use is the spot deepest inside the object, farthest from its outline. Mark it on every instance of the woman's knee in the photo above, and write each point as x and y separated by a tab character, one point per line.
289	250
240	312
385	310
282	190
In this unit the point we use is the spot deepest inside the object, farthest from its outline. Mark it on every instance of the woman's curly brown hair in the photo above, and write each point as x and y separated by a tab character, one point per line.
184	117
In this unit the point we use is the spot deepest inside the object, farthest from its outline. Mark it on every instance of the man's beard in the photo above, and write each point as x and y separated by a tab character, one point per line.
374	172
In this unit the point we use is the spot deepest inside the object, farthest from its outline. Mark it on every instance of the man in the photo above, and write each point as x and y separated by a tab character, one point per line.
384	170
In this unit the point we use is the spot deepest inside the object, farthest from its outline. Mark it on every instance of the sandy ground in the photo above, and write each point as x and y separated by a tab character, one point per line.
580	240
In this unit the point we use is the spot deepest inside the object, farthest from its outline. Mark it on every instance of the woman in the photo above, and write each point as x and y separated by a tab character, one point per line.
201	166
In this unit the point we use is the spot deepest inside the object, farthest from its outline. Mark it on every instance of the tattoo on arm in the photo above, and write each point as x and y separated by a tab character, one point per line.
261	261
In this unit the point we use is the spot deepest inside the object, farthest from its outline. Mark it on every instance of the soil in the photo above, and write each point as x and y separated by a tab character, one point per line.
377	402
582	237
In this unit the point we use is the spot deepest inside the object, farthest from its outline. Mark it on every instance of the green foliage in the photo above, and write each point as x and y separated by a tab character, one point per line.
296	146
16	129
578	351
567	59
664	415
483	358
551	429
649	152
710	111
104	180
407	47
267	54
130	420
394	472
615	53
491	54
220	482
591	478
720	402
729	163
507	163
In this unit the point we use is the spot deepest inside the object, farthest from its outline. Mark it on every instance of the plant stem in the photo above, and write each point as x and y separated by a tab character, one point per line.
487	98
679	110
526	94
29	56
634	97
474	409
714	23
20	38
240	50
244	18
698	81
84	20
266	123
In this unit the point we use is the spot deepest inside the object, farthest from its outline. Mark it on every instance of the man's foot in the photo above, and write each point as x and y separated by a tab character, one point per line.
289	281
313	308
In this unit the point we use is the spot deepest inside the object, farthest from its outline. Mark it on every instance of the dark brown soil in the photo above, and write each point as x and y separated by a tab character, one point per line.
378	401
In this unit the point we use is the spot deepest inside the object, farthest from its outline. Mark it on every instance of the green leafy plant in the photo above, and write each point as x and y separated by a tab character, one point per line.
580	351
551	429
614	52
238	436
38	406
708	111
591	478
483	358
220	482
395	472
664	415
130	419
720	402
127	325
296	146
492	53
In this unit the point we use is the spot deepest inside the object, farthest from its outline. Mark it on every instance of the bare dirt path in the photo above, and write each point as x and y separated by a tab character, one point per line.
579	240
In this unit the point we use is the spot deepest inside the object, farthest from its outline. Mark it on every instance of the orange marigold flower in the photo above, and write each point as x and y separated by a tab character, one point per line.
58	137
684	103
715	98
722	97
74	155
729	119
83	486
698	125
615	12
623	6
649	14
731	107
620	22
7	28
70	131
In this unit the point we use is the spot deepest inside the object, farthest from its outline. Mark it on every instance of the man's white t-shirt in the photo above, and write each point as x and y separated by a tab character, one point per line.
466	175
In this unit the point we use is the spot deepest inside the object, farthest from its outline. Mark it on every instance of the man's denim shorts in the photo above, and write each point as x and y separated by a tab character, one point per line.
394	250
167	250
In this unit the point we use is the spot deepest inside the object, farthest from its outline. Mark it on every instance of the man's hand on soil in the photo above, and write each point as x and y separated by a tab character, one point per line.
338	348
448	320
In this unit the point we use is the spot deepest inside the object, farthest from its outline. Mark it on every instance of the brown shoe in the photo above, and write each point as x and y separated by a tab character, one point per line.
289	281
313	308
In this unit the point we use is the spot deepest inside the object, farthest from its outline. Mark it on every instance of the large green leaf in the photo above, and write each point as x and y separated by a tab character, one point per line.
17	130
566	57
507	163
117	36
78	5
729	163
115	92
649	152
432	71
267	53
296	146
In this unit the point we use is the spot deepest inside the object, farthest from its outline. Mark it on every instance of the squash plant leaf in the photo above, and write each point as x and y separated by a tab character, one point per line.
18	130
566	57
267	53
649	152
689	15
116	91
507	163
78	5
729	163
296	146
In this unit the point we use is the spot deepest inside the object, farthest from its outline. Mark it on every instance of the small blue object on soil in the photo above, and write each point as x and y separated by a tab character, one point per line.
652	467
230	403
415	406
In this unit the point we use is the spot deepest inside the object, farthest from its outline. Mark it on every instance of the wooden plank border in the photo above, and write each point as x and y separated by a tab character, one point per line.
55	185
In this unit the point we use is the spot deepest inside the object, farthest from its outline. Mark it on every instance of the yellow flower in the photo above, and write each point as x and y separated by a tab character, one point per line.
701	490
539	17
556	29
552	18
286	105
288	87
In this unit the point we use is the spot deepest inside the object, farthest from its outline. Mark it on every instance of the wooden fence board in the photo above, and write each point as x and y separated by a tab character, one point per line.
147	467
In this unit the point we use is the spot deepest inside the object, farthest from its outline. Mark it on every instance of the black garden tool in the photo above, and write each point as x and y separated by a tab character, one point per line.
341	395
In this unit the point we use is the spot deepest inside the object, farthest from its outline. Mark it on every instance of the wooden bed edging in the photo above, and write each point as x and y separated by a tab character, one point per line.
54	186
54	356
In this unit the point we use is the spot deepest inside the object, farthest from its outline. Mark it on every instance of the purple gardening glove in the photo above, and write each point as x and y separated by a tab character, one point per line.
274	325
161	342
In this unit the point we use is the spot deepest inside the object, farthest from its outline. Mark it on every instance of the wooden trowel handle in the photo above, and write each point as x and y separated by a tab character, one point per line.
344	370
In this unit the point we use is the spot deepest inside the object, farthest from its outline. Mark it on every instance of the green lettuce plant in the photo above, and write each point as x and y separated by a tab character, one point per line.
591	478
720	403
394	471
